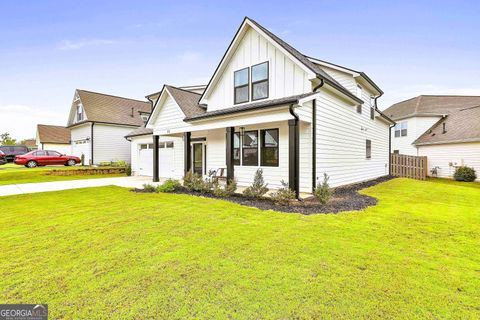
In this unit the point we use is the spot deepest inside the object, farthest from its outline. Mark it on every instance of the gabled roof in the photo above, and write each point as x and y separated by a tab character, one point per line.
142	131
251	106
186	100
53	134
106	108
461	125
30	143
303	60
430	105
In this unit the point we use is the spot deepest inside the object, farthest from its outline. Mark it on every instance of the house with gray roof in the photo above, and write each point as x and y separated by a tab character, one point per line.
444	128
268	106
99	122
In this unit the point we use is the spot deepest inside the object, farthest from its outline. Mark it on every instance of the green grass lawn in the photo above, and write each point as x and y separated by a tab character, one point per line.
109	253
14	174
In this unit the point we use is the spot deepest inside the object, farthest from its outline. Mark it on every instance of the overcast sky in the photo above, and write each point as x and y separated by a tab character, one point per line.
131	48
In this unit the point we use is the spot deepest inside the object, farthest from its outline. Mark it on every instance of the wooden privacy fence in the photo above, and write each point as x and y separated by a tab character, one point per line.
409	166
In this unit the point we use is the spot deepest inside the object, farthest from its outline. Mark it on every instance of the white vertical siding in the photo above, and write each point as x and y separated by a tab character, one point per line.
109	143
285	77
416	126
447	156
341	143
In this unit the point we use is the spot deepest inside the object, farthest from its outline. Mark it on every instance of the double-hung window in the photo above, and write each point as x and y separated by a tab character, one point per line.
250	148
269	147
260	81
236	148
79	113
241	85
372	108
401	129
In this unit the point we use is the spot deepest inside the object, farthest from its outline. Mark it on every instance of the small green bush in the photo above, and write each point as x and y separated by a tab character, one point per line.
128	170
323	193
225	191
169	186
82	159
465	173
194	182
149	187
258	187
284	195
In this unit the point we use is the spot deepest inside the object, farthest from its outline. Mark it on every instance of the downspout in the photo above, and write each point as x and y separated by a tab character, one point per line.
389	140
314	137
293	154
91	141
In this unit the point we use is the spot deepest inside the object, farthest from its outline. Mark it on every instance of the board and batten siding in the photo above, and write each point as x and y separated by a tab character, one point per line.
286	78
447	156
341	142
109	143
416	126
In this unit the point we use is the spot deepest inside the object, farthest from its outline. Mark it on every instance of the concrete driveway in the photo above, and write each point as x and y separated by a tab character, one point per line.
126	182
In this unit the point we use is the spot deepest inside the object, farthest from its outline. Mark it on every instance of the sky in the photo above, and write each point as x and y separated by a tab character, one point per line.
131	48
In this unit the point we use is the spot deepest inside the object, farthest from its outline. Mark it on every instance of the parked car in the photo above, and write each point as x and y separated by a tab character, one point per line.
33	159
12	151
3	158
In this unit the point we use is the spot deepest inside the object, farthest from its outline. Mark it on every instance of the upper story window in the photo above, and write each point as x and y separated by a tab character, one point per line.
79	113
241	85
401	129
372	107
144	118
260	81
359	95
256	78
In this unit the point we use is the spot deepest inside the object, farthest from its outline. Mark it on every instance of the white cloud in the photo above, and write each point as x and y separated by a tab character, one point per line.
79	44
189	57
21	121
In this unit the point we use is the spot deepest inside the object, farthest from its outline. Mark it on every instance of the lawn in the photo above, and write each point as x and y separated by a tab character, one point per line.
110	253
13	174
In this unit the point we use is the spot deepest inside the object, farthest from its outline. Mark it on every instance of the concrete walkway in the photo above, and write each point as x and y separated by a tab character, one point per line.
126	182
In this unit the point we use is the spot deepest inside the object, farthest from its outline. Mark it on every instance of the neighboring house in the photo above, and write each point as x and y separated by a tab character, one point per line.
31	144
55	138
268	106
99	123
446	129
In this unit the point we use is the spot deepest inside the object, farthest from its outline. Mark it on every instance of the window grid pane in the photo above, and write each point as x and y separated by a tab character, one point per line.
269	147
250	148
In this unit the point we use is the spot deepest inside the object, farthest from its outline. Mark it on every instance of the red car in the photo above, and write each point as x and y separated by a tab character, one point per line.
3	158
33	159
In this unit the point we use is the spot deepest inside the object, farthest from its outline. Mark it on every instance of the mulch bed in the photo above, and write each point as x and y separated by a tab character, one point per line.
345	198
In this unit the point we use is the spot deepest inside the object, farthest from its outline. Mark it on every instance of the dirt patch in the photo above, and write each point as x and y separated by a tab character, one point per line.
345	198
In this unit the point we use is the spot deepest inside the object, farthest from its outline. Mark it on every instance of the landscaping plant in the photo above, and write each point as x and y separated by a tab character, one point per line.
224	191
284	195
258	187
323	192
465	173
128	170
149	187
169	186
194	182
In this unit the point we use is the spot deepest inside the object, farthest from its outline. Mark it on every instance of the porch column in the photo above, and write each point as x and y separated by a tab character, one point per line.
229	153
187	158
293	156
156	178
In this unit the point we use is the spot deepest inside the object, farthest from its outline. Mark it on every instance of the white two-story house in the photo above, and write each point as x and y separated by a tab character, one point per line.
99	122
445	129
269	106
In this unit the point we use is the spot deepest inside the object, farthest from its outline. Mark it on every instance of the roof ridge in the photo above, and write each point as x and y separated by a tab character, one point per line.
111	95
333	64
167	85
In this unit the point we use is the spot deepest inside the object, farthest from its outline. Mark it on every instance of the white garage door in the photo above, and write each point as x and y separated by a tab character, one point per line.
81	147
166	159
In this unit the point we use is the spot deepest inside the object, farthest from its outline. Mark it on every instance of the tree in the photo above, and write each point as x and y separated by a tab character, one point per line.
6	139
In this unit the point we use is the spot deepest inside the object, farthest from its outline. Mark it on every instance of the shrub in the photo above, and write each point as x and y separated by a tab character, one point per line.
82	159
284	195
194	182
225	191
465	173
169	186
128	170
258	187
149	187
323	193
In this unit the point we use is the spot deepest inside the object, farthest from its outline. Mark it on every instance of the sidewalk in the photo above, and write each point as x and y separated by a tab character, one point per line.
126	182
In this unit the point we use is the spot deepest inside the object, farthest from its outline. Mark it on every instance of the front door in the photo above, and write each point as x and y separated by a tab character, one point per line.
198	158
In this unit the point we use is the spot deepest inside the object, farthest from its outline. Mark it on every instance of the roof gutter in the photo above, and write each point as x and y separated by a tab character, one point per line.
314	136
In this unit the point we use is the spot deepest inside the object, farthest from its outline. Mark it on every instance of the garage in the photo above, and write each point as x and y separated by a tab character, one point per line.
166	159
80	147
